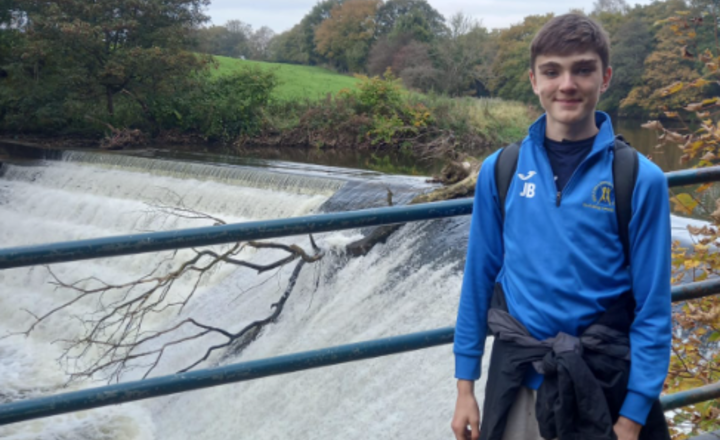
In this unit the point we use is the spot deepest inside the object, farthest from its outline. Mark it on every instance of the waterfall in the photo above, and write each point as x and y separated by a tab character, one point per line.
409	284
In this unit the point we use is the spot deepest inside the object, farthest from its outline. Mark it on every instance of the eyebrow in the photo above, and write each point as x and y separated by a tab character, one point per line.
553	64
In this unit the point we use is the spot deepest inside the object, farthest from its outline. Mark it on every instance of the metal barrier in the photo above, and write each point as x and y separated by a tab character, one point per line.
195	237
241	372
161	386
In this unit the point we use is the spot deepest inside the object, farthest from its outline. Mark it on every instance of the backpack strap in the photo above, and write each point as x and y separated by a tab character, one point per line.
505	166
625	172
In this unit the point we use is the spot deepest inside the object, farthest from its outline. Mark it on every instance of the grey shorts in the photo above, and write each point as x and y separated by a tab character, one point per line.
522	424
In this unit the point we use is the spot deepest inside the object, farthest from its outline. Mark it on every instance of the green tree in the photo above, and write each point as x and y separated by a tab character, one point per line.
75	53
230	40
410	17
288	47
464	56
631	44
512	63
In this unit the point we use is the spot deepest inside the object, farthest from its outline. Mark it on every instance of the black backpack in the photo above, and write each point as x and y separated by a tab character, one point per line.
625	170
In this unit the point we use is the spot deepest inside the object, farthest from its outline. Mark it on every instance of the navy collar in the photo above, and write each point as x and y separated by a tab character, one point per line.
604	139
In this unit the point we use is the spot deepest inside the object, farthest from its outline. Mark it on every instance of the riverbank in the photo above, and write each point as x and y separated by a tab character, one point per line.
377	115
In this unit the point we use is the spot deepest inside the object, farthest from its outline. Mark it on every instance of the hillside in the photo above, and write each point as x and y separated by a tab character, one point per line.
296	82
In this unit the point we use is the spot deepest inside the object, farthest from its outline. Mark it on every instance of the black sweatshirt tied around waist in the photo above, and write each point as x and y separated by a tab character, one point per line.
585	377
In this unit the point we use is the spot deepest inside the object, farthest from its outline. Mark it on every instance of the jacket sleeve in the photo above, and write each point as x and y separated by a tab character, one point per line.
482	265
651	331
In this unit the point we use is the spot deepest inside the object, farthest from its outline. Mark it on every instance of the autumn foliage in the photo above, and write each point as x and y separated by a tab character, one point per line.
691	123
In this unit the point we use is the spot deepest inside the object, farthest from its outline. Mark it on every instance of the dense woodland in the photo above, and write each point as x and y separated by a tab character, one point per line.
132	70
458	56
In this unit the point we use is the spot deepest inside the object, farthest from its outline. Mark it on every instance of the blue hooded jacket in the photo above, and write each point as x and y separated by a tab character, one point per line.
563	262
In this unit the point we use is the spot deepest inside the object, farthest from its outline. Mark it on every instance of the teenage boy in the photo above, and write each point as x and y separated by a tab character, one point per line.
551	270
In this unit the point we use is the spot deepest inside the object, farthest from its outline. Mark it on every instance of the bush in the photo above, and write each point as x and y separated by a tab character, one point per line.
233	104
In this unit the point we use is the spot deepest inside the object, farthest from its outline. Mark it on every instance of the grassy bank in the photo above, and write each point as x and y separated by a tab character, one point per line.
245	103
294	82
378	114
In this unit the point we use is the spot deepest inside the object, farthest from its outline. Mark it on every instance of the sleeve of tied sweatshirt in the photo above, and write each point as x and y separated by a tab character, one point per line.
482	265
651	331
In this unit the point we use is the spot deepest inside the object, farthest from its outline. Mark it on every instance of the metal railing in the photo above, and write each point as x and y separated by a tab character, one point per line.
178	383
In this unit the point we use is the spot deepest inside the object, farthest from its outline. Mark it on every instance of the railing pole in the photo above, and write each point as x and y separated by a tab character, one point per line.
178	383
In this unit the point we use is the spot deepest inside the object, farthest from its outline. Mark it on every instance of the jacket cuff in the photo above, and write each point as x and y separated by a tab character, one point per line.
467	367
636	407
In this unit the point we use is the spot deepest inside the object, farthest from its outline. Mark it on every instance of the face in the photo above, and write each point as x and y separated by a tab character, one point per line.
569	87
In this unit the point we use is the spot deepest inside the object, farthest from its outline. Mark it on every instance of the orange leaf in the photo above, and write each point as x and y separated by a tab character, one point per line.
704	187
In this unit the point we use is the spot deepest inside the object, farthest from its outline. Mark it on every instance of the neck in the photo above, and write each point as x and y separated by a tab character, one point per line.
557	131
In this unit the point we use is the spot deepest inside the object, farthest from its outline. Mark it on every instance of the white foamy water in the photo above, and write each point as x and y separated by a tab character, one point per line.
396	289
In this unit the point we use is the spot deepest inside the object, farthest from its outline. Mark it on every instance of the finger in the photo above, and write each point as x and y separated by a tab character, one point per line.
475	426
458	432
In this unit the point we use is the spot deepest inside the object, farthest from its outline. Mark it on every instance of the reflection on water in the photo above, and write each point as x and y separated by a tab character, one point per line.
402	162
645	141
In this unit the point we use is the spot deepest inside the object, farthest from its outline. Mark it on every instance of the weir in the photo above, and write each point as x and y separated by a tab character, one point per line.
407	285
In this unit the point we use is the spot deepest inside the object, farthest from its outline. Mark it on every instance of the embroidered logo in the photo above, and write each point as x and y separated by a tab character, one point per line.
603	197
528	190
529	175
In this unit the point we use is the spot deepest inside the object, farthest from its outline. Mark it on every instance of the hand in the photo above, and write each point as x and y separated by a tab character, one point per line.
626	429
467	412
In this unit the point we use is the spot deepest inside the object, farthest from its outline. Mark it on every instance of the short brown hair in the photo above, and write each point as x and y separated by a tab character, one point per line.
570	34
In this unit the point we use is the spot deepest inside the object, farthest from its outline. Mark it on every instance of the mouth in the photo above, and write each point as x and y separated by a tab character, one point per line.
568	101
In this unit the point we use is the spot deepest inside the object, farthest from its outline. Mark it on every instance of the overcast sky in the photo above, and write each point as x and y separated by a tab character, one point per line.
281	15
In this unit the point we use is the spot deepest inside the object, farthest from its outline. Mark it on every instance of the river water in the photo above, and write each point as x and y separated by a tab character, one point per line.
409	284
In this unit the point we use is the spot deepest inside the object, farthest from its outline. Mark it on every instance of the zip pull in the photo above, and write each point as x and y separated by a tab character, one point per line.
558	199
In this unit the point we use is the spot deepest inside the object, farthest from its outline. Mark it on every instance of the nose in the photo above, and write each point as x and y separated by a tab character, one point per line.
567	83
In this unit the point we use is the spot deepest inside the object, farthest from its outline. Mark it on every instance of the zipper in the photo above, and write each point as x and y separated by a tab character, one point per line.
559	194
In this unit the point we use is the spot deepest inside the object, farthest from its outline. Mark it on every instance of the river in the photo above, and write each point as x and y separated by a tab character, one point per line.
409	284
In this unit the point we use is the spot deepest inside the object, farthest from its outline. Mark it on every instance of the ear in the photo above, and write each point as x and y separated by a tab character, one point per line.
607	76
533	81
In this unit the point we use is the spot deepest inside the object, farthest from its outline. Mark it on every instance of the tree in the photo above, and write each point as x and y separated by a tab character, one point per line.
462	55
631	44
345	38
230	40
410	17
259	42
105	48
611	6
511	65
693	102
288	47
663	65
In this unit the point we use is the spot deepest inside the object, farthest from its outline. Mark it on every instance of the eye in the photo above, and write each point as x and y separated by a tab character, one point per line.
550	73
585	70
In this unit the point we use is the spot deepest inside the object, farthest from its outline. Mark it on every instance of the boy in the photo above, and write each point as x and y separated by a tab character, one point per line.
555	270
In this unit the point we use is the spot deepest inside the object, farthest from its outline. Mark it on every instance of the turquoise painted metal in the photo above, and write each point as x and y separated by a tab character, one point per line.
196	237
693	176
178	383
161	386
690	397
697	290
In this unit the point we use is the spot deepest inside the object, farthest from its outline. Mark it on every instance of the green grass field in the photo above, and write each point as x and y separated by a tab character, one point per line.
296	82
